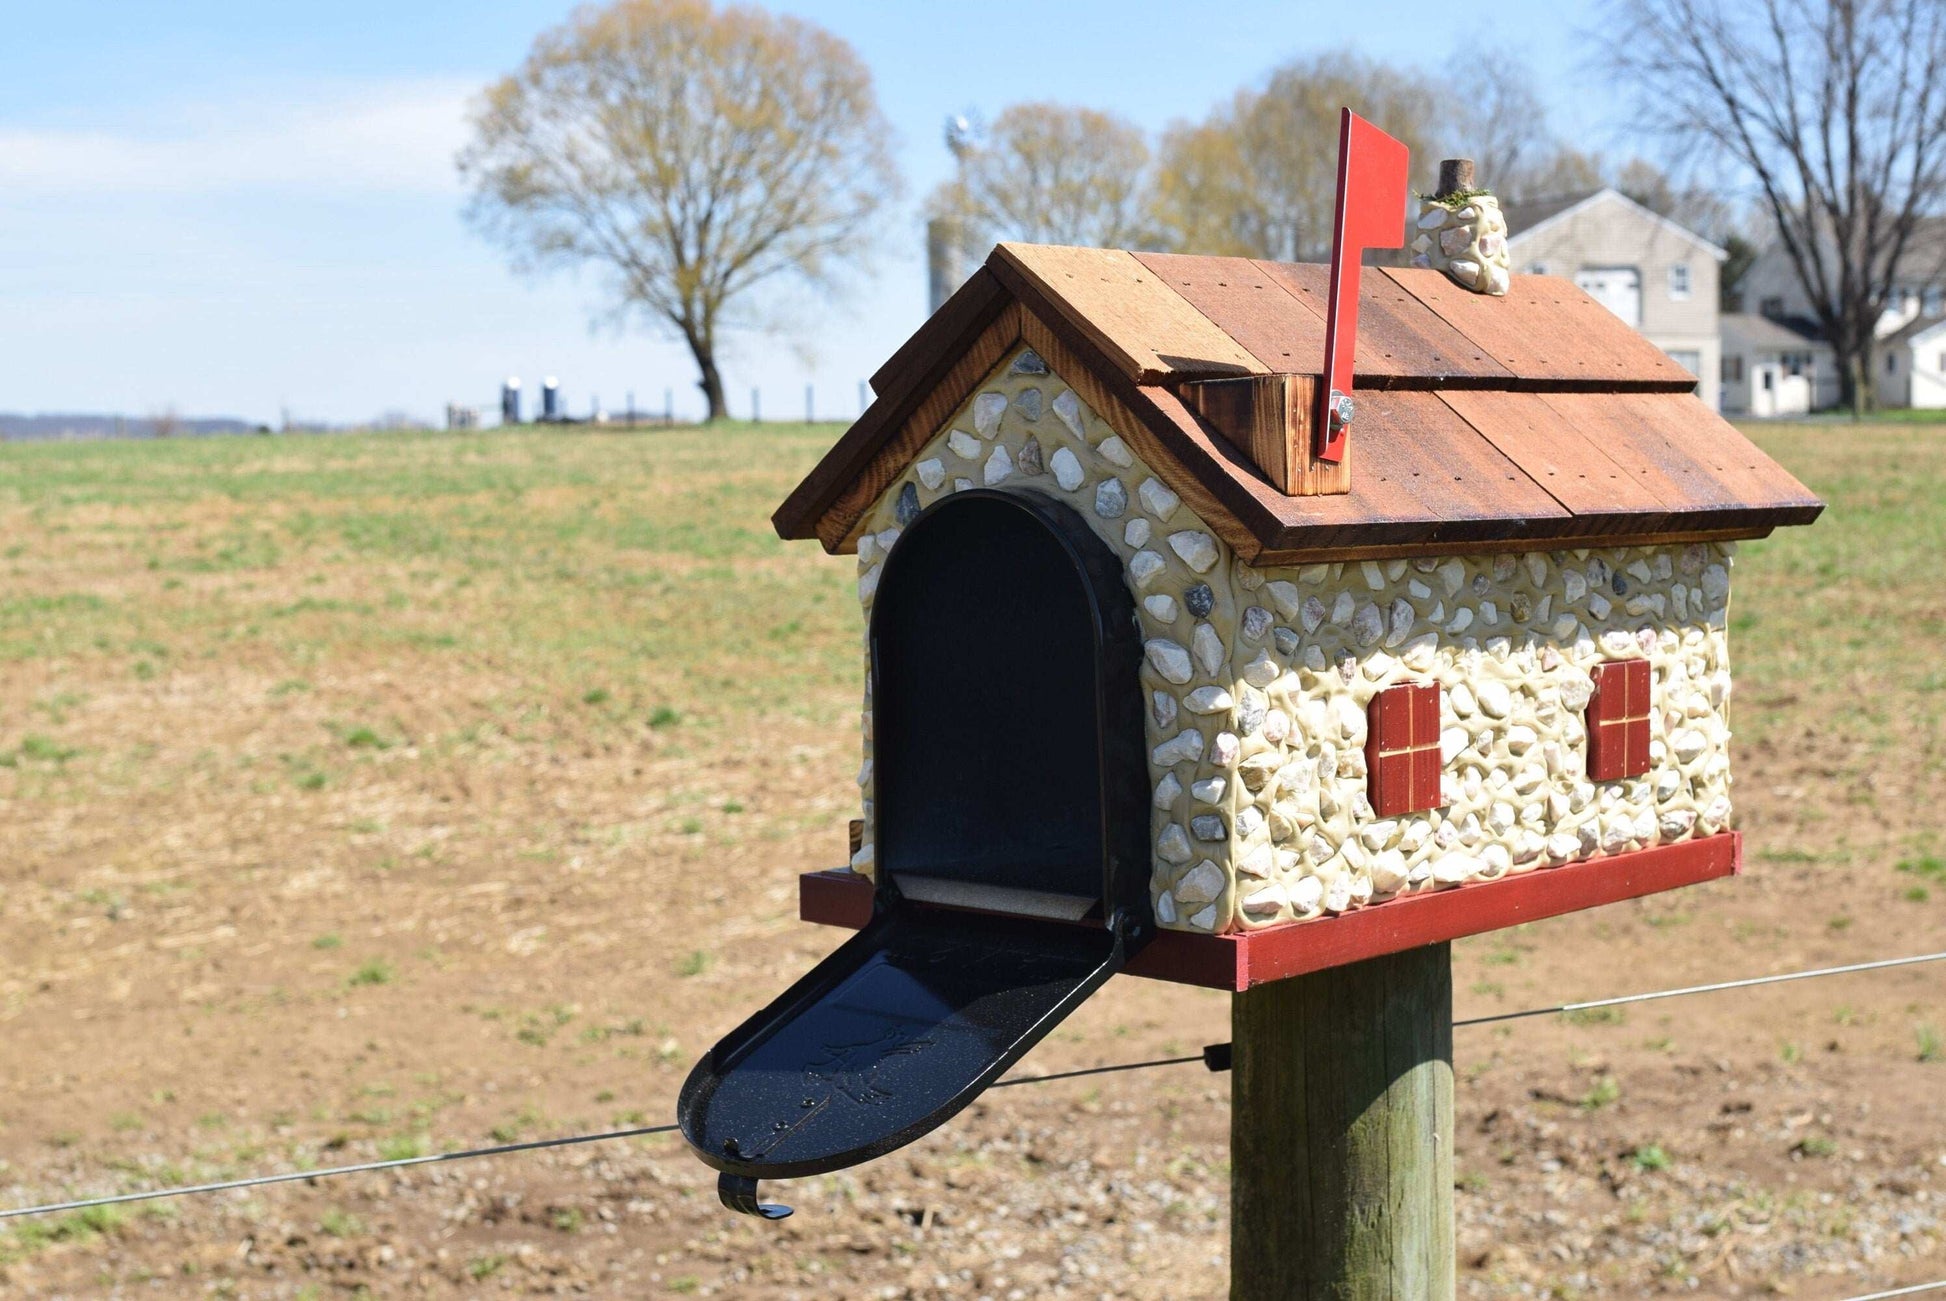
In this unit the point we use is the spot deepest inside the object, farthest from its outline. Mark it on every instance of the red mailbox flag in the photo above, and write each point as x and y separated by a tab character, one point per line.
1371	214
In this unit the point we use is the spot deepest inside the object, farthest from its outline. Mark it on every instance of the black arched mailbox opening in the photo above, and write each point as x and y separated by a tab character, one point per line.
1011	841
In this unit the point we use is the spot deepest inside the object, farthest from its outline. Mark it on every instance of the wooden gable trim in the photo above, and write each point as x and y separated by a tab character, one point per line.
921	365
925	414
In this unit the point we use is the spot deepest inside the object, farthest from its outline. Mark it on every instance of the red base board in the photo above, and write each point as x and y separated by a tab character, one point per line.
1244	958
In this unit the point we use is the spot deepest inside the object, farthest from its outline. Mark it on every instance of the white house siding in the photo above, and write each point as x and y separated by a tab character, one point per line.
1912	369
1257	682
1609	231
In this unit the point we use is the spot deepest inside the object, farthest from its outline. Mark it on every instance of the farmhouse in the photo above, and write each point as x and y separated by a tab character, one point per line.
1500	648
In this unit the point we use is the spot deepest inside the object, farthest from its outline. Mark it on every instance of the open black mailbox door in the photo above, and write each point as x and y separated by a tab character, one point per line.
1011	843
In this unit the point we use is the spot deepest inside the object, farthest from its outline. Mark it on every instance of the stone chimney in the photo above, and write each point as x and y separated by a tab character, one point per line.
1462	232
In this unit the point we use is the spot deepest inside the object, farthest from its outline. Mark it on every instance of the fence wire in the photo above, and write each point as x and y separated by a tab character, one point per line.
1216	1057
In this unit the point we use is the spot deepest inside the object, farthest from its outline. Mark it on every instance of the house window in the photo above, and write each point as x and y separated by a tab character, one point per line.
1891	363
1402	749
1932	300
1618	721
1733	370
1679	281
1773	306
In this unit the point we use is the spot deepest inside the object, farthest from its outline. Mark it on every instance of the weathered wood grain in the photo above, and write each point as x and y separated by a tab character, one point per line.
1547	332
1271	419
1341	1133
1147	330
1401	342
1251	307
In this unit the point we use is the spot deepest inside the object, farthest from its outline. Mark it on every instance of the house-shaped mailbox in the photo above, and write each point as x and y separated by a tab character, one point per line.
1151	688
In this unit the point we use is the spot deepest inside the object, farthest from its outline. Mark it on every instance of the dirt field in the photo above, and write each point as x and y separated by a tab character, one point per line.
362	796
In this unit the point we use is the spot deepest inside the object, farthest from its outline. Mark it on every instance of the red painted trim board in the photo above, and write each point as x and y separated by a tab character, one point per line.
1242	959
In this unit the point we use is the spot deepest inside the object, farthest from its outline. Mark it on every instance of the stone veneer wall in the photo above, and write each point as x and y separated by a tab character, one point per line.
1259	681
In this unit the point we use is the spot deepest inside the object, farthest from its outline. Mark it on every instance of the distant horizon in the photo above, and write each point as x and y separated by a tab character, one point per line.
216	206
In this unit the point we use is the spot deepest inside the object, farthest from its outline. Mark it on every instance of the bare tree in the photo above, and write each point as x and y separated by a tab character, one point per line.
1259	176
693	153
1501	124
1836	109
1052	174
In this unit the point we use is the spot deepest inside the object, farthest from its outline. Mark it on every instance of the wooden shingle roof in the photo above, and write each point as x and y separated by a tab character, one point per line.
1537	420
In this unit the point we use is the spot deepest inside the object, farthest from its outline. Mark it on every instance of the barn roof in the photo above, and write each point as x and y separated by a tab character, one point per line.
1537	420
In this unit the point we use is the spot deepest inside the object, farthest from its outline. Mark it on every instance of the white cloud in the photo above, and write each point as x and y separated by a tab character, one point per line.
395	137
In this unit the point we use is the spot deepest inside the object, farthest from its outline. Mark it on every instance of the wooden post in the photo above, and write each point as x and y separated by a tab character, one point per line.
1341	1133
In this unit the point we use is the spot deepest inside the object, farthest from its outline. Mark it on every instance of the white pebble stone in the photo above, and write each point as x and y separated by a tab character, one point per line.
1269	900
1210	789
1165	906
1186	745
1223	750
1137	532
1163	706
1197	549
1172	846
1158	500
1169	659
987	410
1201	883
1208	700
1496	701
1068	407
1115	450
1166	791
1285	597
1261	671
1161	607
1209	648
998	466
964	445
932	472
1067	469
1374	576
1144	566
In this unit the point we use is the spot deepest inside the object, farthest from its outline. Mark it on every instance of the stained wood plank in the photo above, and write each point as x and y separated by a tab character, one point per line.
1546	330
1401	342
1561	457
1147	330
1721	452
1285	334
1270	419
1460	478
927	415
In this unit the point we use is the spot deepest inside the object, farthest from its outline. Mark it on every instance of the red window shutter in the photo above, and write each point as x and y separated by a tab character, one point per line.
1618	721
1402	760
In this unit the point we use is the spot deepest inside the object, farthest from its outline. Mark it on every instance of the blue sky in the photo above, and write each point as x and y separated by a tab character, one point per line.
240	208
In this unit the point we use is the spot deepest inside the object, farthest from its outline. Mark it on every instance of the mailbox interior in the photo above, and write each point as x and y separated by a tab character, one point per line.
1006	708
1012	780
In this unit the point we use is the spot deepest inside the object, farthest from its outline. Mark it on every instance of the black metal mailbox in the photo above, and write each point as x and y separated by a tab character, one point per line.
1011	849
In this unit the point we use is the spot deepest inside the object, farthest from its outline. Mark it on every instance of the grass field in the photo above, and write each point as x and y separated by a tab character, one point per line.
367	795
